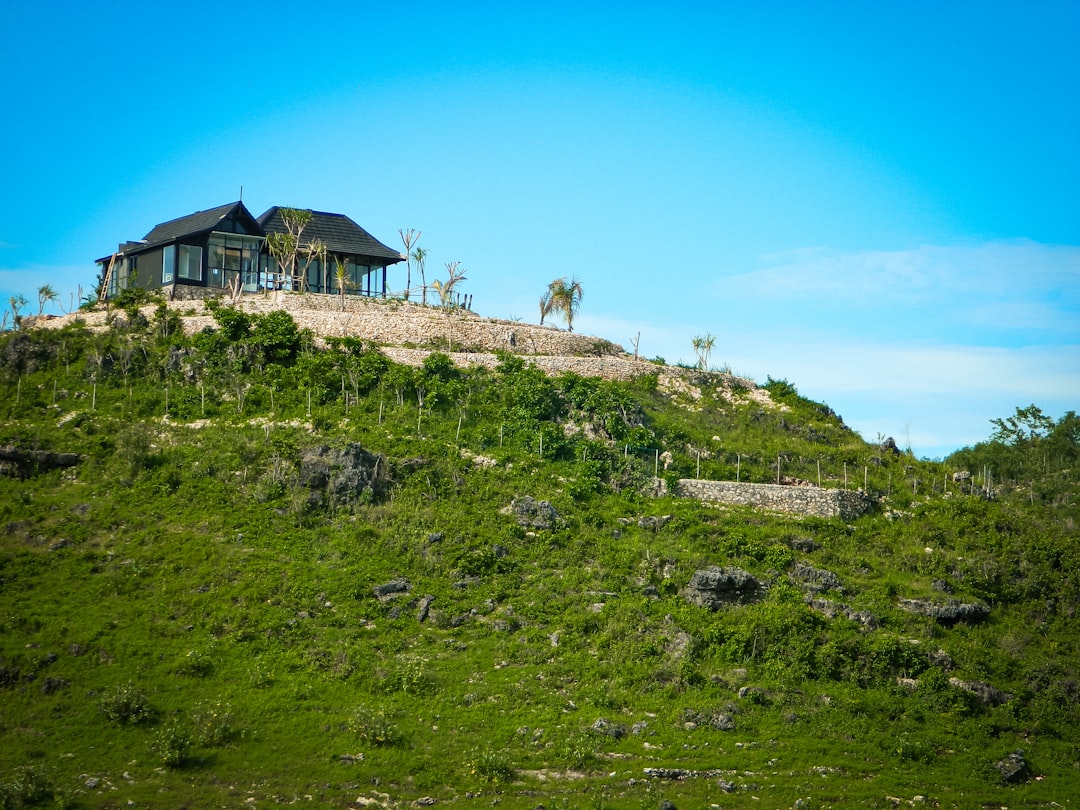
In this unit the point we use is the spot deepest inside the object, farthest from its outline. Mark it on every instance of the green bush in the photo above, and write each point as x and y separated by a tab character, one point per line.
127	706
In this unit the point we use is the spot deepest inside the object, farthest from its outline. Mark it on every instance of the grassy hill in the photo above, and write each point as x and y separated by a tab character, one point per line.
240	570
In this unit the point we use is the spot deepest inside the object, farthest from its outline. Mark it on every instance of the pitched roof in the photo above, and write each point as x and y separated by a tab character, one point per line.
198	222
339	233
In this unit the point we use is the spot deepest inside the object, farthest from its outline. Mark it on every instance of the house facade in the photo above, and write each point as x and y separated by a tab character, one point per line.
225	248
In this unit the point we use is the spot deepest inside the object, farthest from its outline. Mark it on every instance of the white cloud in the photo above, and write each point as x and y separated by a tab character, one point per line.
998	270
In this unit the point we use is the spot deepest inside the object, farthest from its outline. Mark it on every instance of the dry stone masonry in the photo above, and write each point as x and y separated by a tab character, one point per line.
809	501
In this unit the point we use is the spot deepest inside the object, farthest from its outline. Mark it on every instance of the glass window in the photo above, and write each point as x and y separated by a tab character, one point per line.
191	262
168	264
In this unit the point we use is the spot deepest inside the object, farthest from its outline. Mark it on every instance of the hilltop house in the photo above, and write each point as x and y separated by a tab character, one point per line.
223	247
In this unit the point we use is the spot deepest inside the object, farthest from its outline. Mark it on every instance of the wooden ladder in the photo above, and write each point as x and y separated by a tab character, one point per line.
108	278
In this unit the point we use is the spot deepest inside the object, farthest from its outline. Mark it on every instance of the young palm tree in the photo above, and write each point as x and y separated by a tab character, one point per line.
408	238
703	346
341	277
563	295
446	289
45	294
419	255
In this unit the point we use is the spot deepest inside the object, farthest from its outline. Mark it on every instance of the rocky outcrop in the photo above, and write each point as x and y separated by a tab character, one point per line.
716	587
948	613
1014	768
20	463
341	475
986	694
815	580
533	514
830	610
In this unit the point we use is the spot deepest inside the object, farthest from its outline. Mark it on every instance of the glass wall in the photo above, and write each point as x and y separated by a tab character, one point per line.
190	262
232	257
168	264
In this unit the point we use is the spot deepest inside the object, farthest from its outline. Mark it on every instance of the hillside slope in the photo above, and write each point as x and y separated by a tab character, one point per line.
238	568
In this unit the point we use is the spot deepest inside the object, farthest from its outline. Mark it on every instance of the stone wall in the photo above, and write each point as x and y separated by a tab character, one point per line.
799	500
402	323
408	332
387	322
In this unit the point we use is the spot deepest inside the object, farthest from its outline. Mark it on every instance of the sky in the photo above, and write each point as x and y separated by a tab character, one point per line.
875	201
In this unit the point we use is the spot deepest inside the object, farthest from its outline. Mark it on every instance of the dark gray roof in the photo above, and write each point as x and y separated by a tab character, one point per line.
339	233
198	222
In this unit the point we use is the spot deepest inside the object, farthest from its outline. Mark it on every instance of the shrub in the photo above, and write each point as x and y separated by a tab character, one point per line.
490	765
374	727
127	706
171	745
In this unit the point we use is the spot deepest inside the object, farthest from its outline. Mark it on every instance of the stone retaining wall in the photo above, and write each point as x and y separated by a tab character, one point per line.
402	323
810	501
399	326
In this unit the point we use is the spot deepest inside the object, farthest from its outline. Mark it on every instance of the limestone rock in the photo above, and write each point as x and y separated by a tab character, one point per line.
988	695
815	580
830	610
534	514
1014	768
948	612
341	474
716	587
391	590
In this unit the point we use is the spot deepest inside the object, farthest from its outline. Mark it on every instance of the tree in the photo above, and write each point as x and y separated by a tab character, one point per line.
285	246
341	277
314	250
545	303
16	302
703	346
456	274
1027	425
45	294
564	296
409	236
419	255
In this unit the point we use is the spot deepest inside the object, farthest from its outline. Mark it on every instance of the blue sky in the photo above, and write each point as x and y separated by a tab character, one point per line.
876	201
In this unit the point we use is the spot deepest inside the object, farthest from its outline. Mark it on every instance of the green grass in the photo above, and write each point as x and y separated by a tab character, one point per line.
180	626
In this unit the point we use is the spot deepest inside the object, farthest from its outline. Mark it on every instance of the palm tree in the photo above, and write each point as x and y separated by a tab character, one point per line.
446	289
703	346
16	302
563	295
45	294
546	303
419	255
408	238
341	276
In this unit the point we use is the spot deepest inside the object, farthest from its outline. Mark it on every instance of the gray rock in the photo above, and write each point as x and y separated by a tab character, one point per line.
1014	768
654	523
948	612
988	695
19	463
831	610
614	730
424	607
666	773
716	587
815	580
341	474
391	590
806	544
534	514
